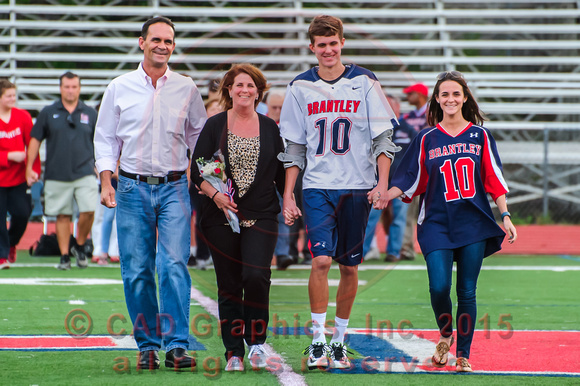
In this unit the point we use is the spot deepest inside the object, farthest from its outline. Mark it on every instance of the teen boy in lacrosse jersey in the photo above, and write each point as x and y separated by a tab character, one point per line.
338	119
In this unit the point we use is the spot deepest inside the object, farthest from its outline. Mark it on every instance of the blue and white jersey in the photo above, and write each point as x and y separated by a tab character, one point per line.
337	122
452	175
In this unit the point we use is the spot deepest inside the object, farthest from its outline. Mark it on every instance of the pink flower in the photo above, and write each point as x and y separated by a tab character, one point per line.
217	171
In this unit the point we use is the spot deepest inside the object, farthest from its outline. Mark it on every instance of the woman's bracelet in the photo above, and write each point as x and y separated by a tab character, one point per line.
216	192
504	214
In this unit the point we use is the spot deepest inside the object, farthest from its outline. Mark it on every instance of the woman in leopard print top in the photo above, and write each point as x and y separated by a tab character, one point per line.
249	143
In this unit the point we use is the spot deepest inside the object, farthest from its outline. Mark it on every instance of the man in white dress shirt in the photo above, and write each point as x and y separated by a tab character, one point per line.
148	118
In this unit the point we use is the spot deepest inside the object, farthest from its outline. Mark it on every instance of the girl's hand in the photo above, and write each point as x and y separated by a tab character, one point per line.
510	229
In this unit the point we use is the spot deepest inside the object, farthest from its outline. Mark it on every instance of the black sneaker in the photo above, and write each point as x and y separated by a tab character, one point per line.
283	262
78	252
317	355
64	264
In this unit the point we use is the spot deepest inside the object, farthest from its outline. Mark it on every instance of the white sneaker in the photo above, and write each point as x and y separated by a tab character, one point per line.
235	364
317	355
373	254
4	264
338	357
257	356
201	264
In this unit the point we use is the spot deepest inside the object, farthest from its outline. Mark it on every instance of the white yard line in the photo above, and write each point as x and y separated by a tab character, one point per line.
376	267
287	376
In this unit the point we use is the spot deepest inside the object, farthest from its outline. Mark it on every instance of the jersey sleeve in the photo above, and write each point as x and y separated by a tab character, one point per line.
411	175
292	117
380	114
491	169
27	128
40	126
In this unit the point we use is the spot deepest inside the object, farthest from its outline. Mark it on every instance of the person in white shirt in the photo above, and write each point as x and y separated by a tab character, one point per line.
148	119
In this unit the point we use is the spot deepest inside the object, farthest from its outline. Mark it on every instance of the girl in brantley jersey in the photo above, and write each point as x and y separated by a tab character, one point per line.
452	165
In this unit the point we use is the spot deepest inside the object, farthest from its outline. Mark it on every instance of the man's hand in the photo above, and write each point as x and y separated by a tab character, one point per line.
31	176
108	196
107	190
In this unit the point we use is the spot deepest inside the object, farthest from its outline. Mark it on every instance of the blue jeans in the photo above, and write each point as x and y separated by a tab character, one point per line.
439	268
397	228
142	211
36	193
107	228
374	218
283	243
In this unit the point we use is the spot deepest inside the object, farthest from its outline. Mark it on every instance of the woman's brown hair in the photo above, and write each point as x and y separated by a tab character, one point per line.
228	81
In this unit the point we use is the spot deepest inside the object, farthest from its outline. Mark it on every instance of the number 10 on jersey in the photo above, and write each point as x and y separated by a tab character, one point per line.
339	136
461	171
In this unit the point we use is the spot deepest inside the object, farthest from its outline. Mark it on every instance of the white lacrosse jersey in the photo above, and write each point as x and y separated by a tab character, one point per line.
337	122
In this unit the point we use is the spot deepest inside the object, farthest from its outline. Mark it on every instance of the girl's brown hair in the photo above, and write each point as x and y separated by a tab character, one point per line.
470	109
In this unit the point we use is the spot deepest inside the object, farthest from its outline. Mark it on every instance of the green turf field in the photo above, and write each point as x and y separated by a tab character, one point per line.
534	300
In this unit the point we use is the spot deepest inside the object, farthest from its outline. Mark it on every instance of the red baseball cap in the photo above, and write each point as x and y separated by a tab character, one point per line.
418	87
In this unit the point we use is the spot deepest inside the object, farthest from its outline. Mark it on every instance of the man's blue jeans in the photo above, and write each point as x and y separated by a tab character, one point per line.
283	243
397	228
440	268
153	226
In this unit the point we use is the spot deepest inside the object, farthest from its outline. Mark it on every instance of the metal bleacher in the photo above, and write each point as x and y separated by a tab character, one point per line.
520	58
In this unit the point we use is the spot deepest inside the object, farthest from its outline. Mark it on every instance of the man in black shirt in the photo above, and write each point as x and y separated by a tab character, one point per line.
68	125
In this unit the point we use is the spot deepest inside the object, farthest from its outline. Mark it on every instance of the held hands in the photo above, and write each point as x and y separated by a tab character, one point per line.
510	229
224	203
378	198
290	210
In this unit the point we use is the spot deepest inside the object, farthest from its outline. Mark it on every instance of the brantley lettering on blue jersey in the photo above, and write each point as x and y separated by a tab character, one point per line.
455	148
333	106
453	176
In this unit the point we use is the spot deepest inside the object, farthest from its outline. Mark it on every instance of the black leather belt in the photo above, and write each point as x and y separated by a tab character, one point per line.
170	177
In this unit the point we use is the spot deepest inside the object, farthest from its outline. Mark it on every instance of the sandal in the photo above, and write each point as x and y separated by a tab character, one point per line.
442	349
463	365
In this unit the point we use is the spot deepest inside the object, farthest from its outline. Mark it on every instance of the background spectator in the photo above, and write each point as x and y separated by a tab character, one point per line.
417	95
15	126
68	125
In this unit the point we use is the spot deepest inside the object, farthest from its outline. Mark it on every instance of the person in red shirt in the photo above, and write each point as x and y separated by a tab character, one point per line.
15	126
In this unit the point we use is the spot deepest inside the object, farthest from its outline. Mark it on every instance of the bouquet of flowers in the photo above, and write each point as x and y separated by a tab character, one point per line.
213	171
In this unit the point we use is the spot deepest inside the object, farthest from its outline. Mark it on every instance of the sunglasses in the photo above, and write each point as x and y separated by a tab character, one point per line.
70	121
450	75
